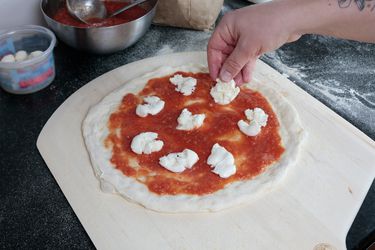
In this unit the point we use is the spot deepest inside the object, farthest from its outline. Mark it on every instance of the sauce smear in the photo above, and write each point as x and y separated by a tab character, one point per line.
252	154
62	15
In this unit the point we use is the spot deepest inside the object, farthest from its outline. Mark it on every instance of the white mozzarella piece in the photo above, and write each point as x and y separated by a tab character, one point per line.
222	161
153	105
179	162
146	143
188	121
224	92
184	85
257	119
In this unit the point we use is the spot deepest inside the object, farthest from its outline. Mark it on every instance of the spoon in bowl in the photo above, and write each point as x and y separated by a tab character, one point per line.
86	10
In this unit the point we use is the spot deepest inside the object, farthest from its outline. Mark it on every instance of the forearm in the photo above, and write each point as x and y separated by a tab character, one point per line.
245	34
347	19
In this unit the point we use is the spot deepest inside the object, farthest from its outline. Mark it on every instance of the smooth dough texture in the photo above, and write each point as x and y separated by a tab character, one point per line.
112	180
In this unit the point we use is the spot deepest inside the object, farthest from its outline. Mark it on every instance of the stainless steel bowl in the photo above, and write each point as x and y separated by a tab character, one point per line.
99	40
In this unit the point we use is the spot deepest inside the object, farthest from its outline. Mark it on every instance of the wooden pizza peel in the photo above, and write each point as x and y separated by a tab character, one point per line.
315	204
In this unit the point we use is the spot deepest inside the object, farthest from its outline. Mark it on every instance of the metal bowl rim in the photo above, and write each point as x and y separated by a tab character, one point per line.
97	28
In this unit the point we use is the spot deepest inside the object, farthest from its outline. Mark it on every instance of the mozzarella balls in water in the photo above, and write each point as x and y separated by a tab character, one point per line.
35	54
21	56
8	59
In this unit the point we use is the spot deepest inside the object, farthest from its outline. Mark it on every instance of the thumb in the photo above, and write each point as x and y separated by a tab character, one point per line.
234	63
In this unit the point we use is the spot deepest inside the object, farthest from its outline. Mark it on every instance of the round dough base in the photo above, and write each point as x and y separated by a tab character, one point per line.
112	180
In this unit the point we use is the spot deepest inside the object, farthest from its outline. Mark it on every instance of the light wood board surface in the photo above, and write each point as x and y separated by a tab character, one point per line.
316	203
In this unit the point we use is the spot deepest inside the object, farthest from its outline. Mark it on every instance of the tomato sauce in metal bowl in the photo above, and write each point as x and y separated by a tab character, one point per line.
62	15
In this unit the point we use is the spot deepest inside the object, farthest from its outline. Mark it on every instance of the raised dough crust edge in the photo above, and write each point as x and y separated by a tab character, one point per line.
112	180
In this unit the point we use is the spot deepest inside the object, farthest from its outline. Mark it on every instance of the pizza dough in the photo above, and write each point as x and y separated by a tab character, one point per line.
112	180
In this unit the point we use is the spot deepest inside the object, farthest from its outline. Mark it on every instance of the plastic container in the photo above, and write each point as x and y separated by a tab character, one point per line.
33	74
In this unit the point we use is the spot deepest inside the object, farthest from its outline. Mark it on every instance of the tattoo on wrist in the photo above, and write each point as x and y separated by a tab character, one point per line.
361	4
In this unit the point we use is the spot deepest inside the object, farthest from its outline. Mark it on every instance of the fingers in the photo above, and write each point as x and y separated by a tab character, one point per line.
214	58
220	45
234	63
230	57
214	53
246	73
248	69
239	79
217	58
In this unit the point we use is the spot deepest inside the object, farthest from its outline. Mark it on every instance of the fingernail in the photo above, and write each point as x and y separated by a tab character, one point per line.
225	76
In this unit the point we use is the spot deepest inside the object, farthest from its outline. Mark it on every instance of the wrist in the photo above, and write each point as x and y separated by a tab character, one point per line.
309	16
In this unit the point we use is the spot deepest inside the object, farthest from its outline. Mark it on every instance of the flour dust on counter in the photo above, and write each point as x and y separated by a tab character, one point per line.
190	42
345	84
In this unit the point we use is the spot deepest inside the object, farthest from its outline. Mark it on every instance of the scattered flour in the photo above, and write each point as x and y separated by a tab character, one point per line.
188	40
338	73
166	49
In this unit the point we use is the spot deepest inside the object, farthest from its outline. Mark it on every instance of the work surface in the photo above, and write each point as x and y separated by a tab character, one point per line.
34	212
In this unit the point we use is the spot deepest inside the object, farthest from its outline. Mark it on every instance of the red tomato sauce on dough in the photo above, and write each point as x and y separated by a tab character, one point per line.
252	154
62	15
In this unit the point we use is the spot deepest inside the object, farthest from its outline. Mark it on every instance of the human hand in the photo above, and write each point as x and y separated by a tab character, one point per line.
245	34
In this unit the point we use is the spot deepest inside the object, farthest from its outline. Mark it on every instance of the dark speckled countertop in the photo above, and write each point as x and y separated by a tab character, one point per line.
34	212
